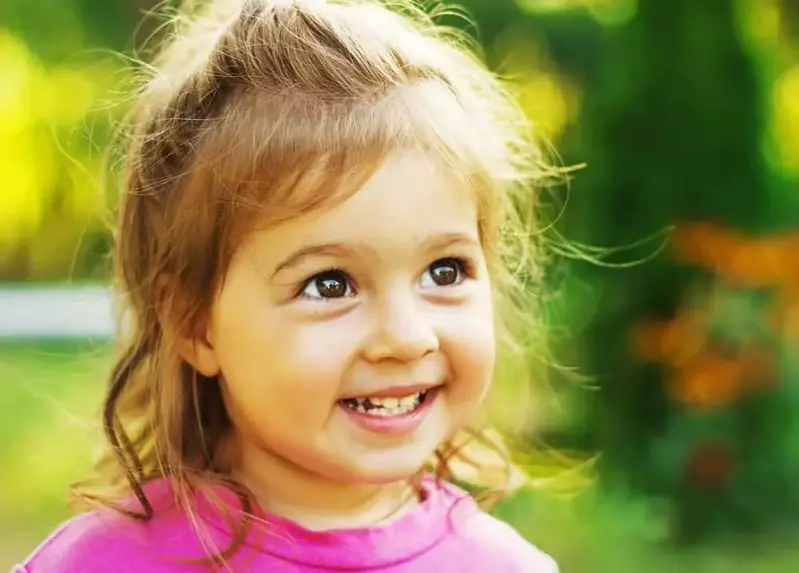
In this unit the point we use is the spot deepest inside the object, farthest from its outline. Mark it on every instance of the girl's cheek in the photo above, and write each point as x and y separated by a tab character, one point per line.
470	348
326	342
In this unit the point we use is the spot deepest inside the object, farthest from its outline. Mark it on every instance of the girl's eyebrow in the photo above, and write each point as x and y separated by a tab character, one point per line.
322	250
430	243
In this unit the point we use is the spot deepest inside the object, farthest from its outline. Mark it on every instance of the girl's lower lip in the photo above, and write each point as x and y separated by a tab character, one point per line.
393	425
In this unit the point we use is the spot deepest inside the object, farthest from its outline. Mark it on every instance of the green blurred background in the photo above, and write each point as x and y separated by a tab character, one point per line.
675	295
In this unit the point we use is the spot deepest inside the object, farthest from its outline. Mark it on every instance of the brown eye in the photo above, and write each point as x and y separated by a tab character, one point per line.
444	272
328	285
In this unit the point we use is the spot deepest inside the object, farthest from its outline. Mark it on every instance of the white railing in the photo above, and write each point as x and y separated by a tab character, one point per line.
52	311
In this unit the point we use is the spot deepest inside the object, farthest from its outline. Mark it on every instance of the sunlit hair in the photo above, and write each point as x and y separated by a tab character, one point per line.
257	111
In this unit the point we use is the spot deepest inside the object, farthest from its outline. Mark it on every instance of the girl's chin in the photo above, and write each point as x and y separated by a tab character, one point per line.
385	469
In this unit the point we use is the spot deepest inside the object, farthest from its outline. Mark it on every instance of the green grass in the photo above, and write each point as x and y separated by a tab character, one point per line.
51	391
51	394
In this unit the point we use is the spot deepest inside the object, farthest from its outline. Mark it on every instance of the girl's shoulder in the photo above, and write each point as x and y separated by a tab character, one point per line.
100	540
500	544
481	540
108	540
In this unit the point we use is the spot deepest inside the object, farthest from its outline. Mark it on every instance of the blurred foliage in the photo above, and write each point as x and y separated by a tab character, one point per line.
60	89
687	115
728	447
686	121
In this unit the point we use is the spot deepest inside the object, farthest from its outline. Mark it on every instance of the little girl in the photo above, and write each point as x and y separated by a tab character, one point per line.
318	217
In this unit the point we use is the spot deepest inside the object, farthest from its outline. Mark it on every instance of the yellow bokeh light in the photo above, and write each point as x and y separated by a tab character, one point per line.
25	159
760	24
606	12
19	71
785	121
549	100
71	95
46	147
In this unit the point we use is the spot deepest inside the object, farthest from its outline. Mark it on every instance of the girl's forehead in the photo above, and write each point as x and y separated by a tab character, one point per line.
407	199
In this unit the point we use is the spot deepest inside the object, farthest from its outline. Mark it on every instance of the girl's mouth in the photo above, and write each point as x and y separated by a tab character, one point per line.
386	407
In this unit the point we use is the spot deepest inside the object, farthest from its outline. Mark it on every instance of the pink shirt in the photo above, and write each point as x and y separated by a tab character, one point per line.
447	533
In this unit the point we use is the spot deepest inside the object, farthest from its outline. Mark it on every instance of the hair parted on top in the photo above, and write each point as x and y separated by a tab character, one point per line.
256	111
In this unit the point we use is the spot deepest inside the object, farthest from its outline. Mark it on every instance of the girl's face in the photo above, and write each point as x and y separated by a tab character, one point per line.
353	341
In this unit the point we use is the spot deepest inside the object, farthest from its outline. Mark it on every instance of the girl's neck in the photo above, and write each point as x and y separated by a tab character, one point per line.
317	503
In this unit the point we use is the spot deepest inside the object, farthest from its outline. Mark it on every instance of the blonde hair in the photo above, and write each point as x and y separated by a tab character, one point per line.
257	111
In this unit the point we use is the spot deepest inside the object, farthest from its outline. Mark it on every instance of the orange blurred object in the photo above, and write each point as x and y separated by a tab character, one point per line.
710	382
674	342
754	262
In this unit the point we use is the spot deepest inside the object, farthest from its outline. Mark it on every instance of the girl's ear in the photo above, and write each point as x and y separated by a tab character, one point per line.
193	345
198	351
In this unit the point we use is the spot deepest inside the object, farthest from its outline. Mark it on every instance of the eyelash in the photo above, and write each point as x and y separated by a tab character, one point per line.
466	267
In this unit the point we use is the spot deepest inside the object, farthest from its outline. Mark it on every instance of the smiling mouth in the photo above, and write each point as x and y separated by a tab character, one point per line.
387	407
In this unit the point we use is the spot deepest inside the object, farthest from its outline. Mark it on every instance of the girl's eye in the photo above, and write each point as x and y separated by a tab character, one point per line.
444	272
328	285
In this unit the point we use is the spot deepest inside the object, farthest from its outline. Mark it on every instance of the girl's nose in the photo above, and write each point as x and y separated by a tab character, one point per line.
401	331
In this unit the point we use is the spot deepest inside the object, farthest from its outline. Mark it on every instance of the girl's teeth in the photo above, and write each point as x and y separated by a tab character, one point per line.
386	402
385	407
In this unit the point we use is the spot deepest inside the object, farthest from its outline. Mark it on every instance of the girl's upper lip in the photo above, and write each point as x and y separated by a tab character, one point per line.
394	391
